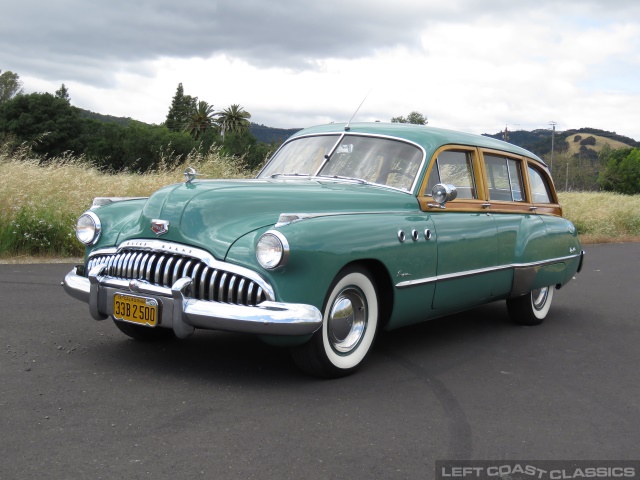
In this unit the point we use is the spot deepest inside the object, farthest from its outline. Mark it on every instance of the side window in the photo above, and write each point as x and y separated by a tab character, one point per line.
517	183
539	187
454	167
505	178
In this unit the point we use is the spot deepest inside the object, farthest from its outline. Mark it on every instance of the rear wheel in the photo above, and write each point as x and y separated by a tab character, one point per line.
350	321
532	308
142	333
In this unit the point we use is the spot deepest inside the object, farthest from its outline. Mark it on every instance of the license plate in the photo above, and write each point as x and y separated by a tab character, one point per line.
135	309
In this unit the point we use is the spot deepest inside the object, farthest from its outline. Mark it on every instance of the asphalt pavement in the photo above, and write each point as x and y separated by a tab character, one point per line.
80	400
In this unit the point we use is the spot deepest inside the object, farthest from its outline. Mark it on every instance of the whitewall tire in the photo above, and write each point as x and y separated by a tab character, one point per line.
532	308
350	322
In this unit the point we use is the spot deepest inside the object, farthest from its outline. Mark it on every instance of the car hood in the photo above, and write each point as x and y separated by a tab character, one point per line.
214	214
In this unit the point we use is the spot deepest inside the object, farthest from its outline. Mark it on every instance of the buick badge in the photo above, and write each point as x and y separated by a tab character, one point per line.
159	227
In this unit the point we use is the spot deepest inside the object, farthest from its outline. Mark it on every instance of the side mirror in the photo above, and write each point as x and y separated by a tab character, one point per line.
443	193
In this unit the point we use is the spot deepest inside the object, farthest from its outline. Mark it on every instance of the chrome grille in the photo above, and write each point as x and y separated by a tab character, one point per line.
164	269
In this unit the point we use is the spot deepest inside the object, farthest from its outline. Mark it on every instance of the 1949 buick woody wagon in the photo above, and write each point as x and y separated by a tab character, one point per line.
347	230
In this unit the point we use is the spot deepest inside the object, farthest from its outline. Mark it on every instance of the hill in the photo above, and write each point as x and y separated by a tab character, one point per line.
589	140
592	142
271	135
123	121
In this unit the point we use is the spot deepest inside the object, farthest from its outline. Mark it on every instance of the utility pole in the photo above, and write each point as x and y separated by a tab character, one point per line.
553	132
505	135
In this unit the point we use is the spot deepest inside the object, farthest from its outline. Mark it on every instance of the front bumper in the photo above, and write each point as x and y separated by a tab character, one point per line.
184	314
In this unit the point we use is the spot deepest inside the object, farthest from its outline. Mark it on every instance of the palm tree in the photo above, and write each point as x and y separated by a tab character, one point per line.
200	120
233	119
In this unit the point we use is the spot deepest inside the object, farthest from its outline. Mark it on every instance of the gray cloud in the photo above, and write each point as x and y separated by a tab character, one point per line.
77	38
85	41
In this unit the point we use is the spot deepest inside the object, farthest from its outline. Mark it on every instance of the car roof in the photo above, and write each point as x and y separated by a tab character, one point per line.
429	138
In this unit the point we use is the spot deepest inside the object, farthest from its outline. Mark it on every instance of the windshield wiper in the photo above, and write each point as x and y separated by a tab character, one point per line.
274	175
340	177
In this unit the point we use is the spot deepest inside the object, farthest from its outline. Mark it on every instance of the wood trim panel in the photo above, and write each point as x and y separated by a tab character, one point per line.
483	204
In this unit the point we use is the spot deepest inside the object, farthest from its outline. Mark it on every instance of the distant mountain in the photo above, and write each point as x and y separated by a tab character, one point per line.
261	132
539	141
105	118
271	135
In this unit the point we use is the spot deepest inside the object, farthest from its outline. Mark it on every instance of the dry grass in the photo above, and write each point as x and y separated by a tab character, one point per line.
574	147
70	183
603	217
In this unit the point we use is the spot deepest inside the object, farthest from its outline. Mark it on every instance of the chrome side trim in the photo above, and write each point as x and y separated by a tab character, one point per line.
289	218
160	246
468	273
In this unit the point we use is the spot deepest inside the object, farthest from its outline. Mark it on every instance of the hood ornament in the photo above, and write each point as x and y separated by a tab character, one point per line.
159	227
190	175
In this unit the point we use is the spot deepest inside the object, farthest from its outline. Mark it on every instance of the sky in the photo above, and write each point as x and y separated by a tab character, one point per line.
471	65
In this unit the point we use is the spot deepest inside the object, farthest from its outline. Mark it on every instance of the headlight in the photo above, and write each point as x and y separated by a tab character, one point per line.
88	228
272	250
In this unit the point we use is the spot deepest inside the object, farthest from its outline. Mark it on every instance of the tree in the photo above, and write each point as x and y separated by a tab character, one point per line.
622	172
182	106
414	118
10	86
200	120
63	93
136	147
49	123
233	119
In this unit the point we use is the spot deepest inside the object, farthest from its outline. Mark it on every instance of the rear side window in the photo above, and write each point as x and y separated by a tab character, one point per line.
454	167
505	178
539	187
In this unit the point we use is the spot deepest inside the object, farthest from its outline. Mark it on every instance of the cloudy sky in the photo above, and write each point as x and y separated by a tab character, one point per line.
471	65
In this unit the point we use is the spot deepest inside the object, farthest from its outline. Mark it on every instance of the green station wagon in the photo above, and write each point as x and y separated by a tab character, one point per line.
347	230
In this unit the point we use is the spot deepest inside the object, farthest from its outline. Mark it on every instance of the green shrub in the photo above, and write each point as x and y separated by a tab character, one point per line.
622	172
38	232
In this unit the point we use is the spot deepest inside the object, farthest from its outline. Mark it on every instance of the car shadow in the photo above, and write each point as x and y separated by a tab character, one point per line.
238	357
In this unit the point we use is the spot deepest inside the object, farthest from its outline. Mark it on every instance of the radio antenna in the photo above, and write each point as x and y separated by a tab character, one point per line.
347	127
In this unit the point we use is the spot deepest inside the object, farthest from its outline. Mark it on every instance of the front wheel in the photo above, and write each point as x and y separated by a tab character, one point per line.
350	321
532	308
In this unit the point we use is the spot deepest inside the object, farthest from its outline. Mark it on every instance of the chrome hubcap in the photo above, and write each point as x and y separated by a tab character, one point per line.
347	320
539	297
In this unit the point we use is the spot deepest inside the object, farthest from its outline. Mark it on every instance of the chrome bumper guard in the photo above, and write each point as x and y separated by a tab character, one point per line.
184	314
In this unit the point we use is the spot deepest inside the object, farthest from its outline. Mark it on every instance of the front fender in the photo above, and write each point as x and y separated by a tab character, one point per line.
114	218
322	246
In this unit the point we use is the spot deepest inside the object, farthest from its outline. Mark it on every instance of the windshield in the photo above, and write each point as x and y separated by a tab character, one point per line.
304	156
371	159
